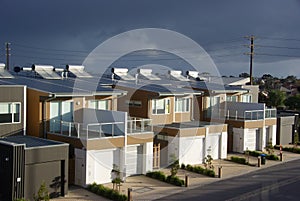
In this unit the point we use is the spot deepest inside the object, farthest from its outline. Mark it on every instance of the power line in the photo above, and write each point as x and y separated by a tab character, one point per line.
48	49
280	38
277	55
279	47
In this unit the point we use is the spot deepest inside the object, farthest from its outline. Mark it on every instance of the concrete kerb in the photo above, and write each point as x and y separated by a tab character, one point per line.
182	189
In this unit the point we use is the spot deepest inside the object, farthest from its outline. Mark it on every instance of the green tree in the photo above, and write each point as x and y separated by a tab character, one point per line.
293	102
276	98
244	75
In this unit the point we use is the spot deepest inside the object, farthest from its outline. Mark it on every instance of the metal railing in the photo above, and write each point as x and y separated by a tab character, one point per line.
249	114
271	113
100	130
87	131
139	125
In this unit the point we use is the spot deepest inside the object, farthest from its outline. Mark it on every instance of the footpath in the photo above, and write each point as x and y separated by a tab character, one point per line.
145	188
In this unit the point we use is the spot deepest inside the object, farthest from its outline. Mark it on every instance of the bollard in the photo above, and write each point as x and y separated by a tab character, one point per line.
220	172
281	157
129	194
186	181
258	161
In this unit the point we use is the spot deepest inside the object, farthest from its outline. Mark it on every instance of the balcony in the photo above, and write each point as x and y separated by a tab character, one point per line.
101	129
245	111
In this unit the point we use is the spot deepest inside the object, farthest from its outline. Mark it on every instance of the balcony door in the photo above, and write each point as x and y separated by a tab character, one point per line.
61	115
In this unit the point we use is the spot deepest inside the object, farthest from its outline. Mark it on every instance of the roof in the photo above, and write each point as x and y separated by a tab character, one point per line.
216	88
160	87
64	87
30	142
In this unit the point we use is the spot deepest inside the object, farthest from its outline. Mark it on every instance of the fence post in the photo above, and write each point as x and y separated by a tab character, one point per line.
186	183
129	194
220	172
258	161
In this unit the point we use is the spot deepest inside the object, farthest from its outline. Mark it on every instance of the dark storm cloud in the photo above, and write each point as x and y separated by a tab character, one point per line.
219	26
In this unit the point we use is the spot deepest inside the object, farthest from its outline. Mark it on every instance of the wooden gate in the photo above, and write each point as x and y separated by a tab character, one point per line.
156	156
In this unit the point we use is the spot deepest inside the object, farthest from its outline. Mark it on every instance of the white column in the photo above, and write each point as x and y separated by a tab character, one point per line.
147	157
273	133
263	140
223	145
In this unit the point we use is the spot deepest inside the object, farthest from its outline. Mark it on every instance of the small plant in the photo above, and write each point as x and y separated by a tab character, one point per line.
42	194
270	148
208	162
174	168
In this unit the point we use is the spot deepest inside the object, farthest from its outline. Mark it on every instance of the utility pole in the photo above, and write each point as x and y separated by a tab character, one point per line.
7	54
251	38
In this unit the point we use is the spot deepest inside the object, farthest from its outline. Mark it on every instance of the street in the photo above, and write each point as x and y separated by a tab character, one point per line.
279	182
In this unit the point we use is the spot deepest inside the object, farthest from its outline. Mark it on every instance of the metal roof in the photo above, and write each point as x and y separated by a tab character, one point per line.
160	89
30	141
215	88
64	87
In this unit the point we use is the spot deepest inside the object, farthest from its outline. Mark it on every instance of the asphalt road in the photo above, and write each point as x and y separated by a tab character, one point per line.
281	182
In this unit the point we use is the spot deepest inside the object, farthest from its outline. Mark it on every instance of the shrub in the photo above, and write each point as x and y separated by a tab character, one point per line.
254	153
200	170
272	157
289	149
157	175
106	192
238	160
182	166
162	177
175	180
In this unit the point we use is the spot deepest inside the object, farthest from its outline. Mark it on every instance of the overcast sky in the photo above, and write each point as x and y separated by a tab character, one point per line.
59	32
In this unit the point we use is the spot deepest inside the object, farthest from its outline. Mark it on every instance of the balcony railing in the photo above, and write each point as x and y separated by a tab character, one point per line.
139	125
87	131
100	130
270	113
249	114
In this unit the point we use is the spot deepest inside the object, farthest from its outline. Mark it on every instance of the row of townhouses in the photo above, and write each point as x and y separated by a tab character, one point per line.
65	126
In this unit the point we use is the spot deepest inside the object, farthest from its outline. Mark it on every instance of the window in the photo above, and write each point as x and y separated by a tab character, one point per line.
134	103
10	112
231	98
61	111
182	105
247	98
98	104
161	106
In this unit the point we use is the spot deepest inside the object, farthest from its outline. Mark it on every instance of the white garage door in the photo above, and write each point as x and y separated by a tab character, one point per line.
213	145
250	140
134	160
191	150
102	163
